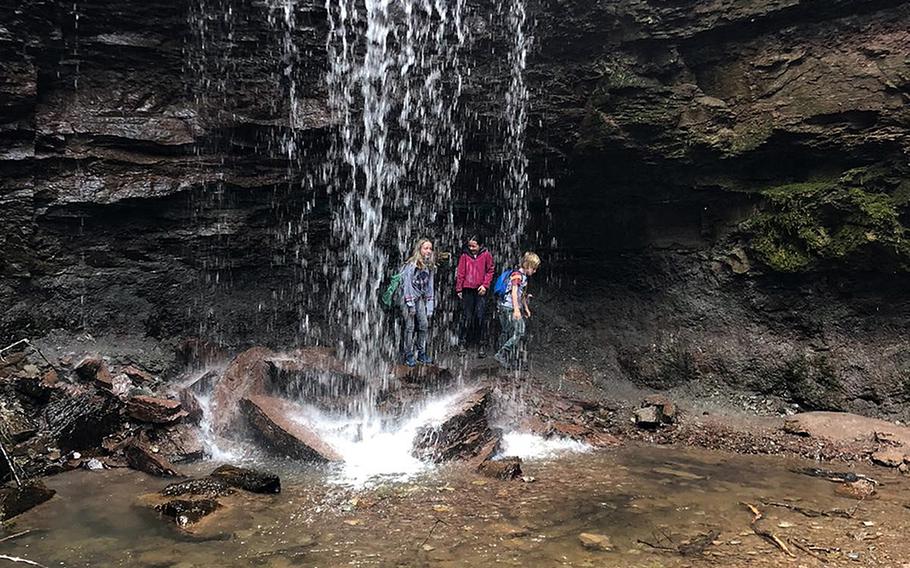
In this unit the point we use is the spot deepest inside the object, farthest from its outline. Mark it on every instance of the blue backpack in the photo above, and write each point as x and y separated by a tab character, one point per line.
501	286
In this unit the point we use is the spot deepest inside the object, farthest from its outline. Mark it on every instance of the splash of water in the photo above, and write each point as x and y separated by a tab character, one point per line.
379	448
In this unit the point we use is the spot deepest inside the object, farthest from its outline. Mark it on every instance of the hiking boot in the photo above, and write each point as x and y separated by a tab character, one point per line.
409	360
482	353
502	360
424	359
462	350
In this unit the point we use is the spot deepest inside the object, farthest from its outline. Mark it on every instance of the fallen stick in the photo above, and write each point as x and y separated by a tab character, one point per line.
766	534
811	512
17	535
9	462
808	550
22	560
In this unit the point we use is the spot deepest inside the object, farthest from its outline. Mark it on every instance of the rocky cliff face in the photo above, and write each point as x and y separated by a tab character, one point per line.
726	181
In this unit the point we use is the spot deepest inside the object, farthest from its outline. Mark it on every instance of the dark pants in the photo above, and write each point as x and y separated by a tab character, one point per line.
473	309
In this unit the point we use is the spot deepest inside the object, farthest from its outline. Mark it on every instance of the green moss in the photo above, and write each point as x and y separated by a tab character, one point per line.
840	219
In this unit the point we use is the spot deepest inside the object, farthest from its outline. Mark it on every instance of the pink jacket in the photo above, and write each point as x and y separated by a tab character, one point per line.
474	271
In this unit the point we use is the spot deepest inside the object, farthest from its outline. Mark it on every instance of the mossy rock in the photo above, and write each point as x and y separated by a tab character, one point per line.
851	221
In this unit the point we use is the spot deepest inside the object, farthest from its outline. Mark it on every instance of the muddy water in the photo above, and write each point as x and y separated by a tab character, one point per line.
452	517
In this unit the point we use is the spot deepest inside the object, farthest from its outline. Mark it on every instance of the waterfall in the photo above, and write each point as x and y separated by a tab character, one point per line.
394	85
515	220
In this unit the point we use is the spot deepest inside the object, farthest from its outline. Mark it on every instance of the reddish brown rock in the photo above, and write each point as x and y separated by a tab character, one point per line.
93	368
247	375
137	375
891	456
463	434
269	418
860	489
50	378
142	458
154	410
506	468
843	427
426	376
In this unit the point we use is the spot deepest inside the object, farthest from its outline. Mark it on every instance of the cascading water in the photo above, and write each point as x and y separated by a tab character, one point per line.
394	90
394	82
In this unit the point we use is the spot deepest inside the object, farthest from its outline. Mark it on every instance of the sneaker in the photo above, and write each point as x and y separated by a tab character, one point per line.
462	350
409	360
482	353
501	359
424	359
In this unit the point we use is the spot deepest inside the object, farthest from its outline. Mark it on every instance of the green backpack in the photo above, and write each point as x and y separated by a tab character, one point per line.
388	297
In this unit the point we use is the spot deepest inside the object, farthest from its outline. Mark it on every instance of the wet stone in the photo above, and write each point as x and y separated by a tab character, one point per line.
81	420
178	443
142	458
890	456
188	511
247	375
251	480
462	435
154	410
593	541
269	418
136	374
506	468
860	489
15	500
201	487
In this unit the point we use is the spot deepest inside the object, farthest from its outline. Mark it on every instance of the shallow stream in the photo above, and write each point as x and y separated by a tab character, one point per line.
453	517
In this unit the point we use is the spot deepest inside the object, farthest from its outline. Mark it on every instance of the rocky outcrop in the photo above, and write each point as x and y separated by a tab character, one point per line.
725	181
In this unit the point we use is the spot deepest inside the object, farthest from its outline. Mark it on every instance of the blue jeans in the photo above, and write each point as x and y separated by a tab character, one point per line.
418	317
512	332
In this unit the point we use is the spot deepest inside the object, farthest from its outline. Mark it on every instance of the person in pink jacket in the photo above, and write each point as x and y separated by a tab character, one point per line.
473	280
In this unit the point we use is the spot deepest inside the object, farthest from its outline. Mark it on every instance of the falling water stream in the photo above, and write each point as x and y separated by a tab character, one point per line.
394	78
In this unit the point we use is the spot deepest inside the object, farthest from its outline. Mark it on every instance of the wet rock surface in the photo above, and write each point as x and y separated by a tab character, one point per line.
144	458
463	434
272	420
504	468
154	410
251	480
187	512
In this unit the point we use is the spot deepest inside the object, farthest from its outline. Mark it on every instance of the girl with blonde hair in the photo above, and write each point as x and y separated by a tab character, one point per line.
417	305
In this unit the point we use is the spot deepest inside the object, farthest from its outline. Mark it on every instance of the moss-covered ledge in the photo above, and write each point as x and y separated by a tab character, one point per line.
856	220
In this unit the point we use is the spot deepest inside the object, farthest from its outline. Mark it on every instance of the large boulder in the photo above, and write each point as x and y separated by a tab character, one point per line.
271	419
246	375
463	434
178	443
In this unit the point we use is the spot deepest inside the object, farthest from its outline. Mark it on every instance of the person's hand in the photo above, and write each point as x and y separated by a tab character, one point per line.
459	295
482	290
527	312
429	314
516	314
